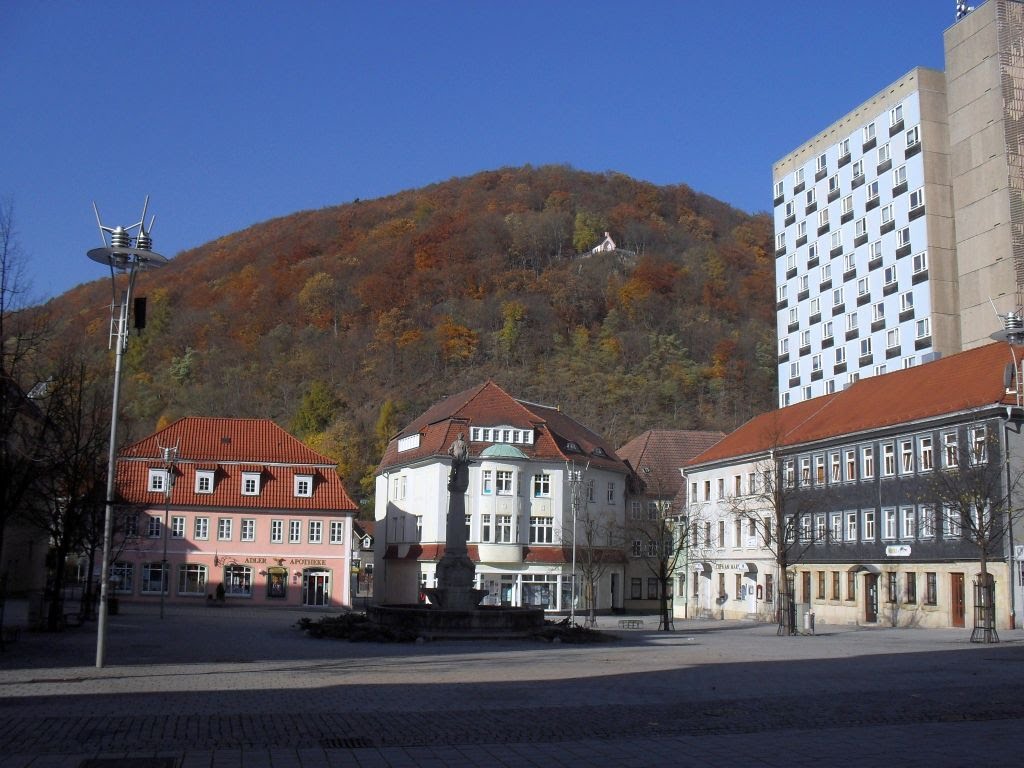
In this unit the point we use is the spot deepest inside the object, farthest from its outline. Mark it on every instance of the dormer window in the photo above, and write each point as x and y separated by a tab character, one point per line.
250	483
599	451
304	485
367	542
158	480
204	481
572	447
501	434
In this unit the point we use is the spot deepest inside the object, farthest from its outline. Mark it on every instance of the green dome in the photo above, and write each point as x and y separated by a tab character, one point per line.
502	451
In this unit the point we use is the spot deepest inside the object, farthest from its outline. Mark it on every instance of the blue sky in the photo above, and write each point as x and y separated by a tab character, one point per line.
232	113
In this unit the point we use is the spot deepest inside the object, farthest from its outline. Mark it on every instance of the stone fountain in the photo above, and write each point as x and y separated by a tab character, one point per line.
455	609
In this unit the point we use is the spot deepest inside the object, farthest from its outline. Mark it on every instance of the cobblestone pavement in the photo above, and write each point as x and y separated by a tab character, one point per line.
243	687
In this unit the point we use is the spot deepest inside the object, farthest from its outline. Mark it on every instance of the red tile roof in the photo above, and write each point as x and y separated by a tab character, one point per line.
231	447
488	405
664	452
967	381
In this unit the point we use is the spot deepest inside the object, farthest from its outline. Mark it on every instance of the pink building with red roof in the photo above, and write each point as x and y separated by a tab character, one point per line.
244	505
527	460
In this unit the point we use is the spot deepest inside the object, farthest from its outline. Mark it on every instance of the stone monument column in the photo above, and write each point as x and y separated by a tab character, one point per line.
455	571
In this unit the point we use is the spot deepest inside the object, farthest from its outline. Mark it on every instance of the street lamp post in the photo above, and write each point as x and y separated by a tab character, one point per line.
129	254
170	457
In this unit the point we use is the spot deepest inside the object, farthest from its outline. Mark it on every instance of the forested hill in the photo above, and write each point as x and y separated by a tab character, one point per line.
343	324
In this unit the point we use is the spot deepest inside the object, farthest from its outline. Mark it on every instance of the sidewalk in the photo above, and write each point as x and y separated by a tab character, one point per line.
243	687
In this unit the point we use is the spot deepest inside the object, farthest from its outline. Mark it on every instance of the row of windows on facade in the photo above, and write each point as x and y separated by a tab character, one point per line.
504	482
159	480
906	523
865	347
247	529
890	281
830	385
823	220
828	587
869	141
193	578
905	455
508	435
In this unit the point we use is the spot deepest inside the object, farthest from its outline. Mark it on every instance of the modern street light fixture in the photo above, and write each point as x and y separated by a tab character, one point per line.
129	254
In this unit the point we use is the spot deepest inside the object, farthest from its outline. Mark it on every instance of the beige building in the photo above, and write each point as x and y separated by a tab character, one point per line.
901	225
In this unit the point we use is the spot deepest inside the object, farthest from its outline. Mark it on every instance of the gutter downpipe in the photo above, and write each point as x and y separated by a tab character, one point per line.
1009	518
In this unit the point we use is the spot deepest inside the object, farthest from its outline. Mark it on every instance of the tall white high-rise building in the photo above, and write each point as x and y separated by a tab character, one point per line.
896	225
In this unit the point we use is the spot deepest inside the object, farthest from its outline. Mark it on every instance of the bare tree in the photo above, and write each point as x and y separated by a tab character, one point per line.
972	495
73	487
778	511
660	540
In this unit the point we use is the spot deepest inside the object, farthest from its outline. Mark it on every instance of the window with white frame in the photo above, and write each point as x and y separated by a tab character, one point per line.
812	251
836	526
879	369
851	526
158	480
294	531
952	526
177	527
810	196
801	229
892	338
804	283
338	532
815	363
303	485
503	529
884	153
889	277
889	523
201	528
858	168
927	522
250	483
821	163
902	237
872	190
192	579
913	136
865	347
542	529
815	306
823	217
906	301
248	529
875	250
863	286
780	241
798	177
895	114
122	577
836	239
794	370
868	132
837	297
950	451
277	531
204	480
224	525
924	328
877	311
887	213
844	147
154	528
153	581
793	315
888	459
846	205
920	262
779	189
869	525
805	338
979	444
784	346
851	464
867	463
860	227
909	522
827	329
315	531
835	468
840	355
899	176
917	198
925	457
807	392
542	485
906	456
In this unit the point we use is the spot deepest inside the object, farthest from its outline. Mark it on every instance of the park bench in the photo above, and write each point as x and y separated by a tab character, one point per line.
631	623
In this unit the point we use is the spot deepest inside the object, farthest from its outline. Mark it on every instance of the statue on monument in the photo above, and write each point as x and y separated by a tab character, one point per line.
458	478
